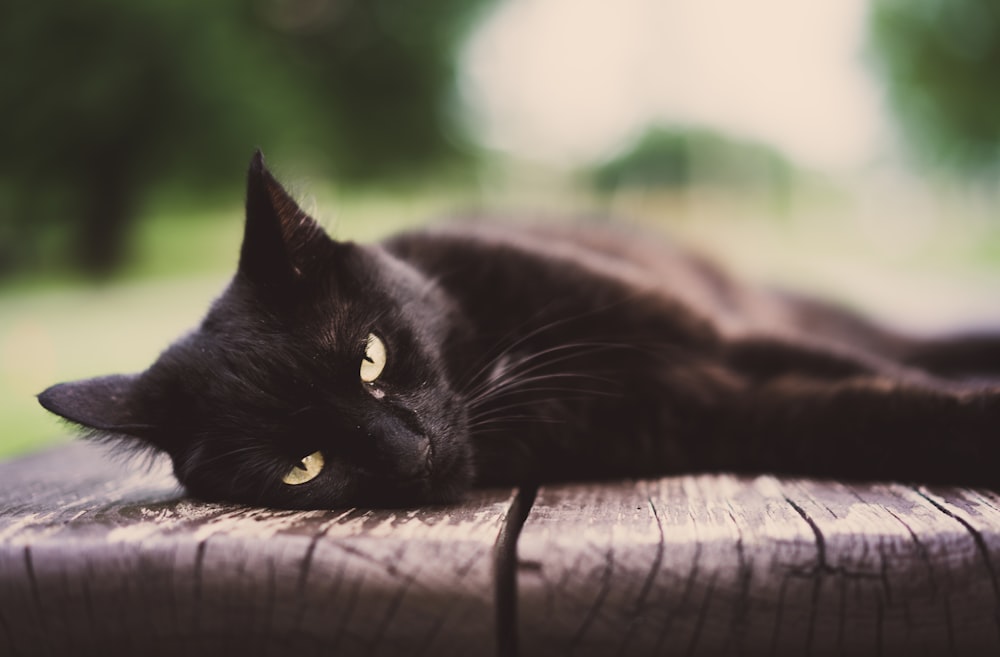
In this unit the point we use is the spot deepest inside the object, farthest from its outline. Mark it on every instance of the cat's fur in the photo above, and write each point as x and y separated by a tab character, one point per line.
529	354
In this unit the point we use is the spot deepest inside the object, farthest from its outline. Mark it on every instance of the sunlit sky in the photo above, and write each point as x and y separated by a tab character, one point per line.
572	80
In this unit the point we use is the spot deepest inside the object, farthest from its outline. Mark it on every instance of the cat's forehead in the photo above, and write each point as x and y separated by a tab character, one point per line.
336	307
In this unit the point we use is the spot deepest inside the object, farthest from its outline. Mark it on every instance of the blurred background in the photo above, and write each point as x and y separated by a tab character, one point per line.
850	147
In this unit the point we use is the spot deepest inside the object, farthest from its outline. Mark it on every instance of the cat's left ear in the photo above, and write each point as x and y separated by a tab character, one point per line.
280	239
106	405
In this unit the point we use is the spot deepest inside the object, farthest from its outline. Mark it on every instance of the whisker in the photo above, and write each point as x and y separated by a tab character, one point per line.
515	374
493	411
583	349
514	385
581	395
536	332
523	419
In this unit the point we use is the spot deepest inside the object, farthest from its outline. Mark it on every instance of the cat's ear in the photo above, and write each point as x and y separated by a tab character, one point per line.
279	238
105	404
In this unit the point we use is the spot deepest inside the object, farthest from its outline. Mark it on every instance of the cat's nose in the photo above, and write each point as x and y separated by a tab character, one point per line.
402	451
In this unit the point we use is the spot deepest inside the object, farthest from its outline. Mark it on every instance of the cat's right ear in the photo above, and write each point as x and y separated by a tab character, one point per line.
104	405
280	240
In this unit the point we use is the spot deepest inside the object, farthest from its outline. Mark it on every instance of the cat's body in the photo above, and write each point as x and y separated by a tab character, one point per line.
518	354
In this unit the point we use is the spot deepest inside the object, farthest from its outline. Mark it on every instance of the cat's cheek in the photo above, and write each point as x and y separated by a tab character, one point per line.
335	488
453	470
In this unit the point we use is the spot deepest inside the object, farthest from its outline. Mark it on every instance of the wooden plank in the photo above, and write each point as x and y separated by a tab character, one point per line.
96	554
720	565
895	575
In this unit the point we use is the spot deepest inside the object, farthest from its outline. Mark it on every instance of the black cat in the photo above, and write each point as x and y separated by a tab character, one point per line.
331	374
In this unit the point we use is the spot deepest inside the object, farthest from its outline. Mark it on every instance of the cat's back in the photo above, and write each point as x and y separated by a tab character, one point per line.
585	253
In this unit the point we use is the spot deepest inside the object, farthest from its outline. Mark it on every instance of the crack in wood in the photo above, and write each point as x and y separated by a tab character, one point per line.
385	565
744	575
391	611
884	573
647	583
887	571
306	564
199	562
820	568
981	547
668	618
602	593
349	606
273	603
949	626
639	603
922	552
779	614
505	567
702	615
36	597
842	615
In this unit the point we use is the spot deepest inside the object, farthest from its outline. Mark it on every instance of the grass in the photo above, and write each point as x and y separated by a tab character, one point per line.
65	334
894	257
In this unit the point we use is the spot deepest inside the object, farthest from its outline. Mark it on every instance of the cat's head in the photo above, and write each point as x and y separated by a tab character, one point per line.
317	379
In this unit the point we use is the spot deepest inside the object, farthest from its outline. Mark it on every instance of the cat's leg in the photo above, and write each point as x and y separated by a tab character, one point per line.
961	356
968	355
866	427
764	357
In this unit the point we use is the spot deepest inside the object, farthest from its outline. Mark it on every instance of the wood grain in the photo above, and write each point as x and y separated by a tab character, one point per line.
715	565
101	558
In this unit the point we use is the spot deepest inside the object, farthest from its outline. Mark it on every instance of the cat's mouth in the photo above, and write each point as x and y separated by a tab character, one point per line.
422	467
427	459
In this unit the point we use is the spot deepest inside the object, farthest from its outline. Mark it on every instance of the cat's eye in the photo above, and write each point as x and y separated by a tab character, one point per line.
374	361
306	470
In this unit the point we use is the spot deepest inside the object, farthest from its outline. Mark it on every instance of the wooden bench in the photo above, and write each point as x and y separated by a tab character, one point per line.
99	557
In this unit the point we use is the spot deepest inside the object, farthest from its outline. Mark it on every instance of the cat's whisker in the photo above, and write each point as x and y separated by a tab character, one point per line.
539	408
492	359
525	418
492	356
582	394
519	384
300	411
583	349
498	424
534	403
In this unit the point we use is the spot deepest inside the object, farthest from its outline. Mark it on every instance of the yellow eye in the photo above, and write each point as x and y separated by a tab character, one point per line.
305	471
374	361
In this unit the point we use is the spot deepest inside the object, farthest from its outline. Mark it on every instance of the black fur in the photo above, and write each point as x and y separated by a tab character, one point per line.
529	354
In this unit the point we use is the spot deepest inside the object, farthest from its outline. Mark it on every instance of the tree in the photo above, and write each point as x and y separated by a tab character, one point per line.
683	156
106	100
940	60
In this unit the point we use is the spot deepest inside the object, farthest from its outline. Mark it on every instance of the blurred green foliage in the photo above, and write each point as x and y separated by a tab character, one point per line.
107	101
674	157
941	64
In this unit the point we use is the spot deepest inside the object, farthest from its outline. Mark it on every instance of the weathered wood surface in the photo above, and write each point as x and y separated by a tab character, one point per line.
715	565
102	558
